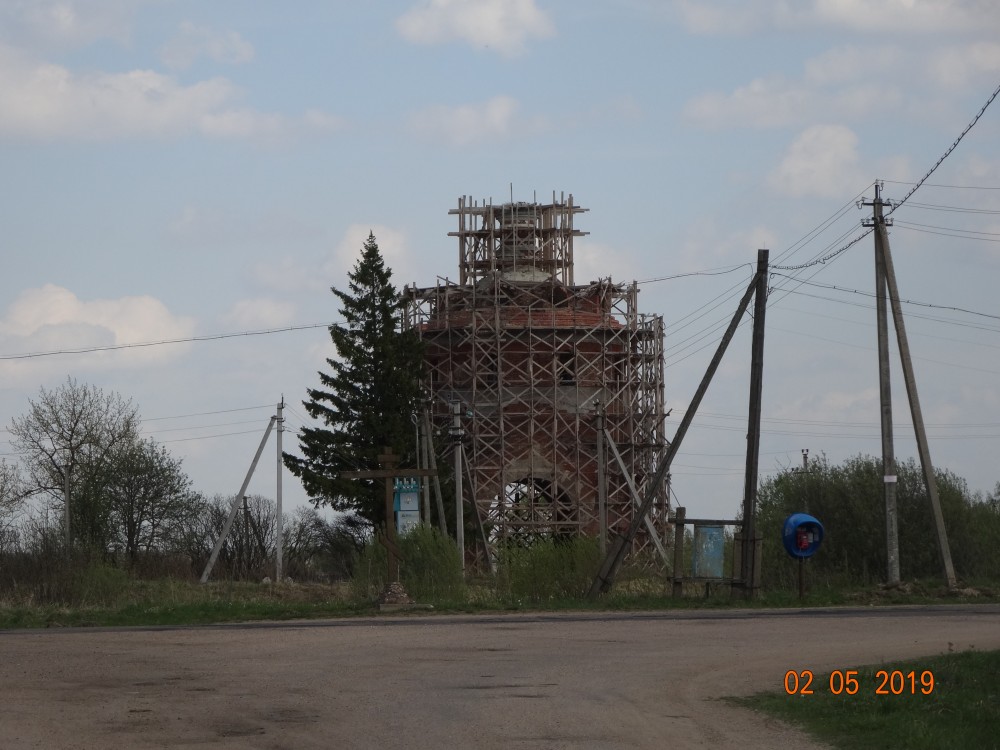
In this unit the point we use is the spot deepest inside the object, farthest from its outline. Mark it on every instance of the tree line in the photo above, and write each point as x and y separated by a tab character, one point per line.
847	499
86	482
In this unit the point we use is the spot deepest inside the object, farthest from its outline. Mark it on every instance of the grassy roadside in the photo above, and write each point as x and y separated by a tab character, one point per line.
960	710
117	600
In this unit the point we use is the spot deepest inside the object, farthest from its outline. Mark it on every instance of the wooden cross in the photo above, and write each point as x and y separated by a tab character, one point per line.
388	462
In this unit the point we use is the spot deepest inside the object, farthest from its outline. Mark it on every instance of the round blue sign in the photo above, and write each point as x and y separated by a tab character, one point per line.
802	534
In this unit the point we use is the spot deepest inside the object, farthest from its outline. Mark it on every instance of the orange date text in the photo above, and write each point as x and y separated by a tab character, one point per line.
848	682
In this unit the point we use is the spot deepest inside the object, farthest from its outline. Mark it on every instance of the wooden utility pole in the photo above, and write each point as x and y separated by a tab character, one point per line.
388	462
456	435
612	562
747	566
923	448
432	466
602	480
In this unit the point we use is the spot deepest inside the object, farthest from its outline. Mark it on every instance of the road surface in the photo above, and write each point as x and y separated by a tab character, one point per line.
576	680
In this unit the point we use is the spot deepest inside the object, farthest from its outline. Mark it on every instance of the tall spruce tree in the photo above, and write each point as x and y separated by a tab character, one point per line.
367	398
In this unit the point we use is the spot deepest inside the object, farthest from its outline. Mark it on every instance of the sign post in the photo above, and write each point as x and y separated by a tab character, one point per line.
388	462
801	535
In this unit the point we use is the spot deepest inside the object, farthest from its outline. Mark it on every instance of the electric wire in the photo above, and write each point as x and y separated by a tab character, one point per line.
922	180
186	340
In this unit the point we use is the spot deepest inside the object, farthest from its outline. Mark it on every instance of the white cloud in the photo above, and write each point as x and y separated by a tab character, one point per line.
502	25
594	260
288	275
776	102
192	42
732	17
262	312
907	16
66	23
964	66
744	17
46	101
391	243
851	63
468	124
823	160
52	318
705	247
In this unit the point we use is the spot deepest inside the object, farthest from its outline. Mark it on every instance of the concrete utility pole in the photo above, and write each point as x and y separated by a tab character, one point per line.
923	448
234	509
279	541
885	394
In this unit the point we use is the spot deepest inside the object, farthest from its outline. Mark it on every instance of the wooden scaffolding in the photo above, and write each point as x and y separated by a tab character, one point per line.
539	364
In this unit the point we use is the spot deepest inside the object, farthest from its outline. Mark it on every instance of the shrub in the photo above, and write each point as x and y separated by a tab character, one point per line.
548	570
429	571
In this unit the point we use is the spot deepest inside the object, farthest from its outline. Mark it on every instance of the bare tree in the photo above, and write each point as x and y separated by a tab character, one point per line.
64	442
11	500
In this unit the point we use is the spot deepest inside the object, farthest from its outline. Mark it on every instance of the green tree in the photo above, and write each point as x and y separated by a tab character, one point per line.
366	399
848	499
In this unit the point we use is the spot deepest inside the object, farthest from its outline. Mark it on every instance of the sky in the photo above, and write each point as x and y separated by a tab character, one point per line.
180	169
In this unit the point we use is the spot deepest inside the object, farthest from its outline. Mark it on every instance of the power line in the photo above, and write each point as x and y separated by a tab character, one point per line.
143	344
897	204
202	426
947	153
207	437
708	272
208	413
828	257
952	209
872	295
953	187
953	233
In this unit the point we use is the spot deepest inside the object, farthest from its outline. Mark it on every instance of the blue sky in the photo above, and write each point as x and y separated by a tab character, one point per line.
180	169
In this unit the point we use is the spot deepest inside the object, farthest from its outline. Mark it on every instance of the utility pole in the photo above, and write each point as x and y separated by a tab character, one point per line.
279	542
234	509
66	476
885	392
433	472
246	538
748	563
456	435
602	480
923	448
612	562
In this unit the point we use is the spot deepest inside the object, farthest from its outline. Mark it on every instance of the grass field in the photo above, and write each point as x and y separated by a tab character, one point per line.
935	703
110	598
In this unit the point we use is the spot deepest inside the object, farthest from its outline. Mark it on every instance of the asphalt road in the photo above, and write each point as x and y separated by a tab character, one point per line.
595	680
